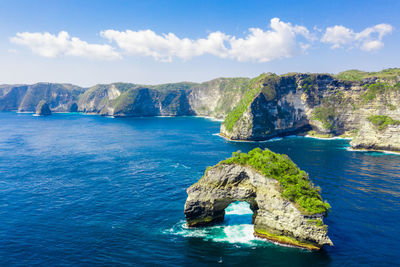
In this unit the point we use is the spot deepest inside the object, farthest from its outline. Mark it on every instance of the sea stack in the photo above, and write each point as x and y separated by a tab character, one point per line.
43	109
287	207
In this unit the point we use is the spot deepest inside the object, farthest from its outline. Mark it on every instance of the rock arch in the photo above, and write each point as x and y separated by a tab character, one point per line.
274	217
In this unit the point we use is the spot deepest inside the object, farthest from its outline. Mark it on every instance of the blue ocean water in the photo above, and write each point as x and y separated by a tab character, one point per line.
88	190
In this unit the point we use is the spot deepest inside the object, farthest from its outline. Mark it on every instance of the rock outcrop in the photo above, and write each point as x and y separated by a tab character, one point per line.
370	137
25	98
254	109
274	217
297	103
43	109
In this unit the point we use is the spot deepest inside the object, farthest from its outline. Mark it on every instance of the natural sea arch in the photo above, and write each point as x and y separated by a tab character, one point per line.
274	217
238	212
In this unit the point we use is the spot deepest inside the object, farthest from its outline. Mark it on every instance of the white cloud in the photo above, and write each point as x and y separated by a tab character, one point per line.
258	45
280	40
165	47
50	45
370	39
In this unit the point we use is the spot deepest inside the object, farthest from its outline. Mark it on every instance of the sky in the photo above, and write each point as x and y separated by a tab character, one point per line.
151	42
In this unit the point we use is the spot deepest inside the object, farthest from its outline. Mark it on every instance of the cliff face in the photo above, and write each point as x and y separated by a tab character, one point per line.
218	97
135	100
372	138
43	109
25	98
257	109
274	217
214	98
297	103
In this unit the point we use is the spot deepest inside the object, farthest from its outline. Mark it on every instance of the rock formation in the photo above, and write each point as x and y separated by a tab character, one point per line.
375	137
254	109
73	107
275	217
297	103
43	109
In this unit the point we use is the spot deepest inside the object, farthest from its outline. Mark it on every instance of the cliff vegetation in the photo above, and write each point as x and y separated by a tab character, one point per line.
295	184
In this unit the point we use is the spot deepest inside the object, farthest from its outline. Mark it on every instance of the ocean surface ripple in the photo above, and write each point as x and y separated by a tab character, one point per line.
89	190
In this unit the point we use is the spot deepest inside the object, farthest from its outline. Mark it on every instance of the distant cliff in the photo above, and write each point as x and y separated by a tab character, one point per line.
215	98
254	109
25	98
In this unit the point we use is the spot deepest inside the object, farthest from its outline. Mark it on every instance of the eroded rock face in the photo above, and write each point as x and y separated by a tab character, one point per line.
371	138
326	105
274	217
43	109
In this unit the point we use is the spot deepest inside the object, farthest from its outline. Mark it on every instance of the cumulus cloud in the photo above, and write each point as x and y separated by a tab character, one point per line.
259	45
51	45
370	39
280	40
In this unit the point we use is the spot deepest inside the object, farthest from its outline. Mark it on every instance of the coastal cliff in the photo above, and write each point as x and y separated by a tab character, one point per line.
264	107
318	104
25	98
287	207
215	98
43	109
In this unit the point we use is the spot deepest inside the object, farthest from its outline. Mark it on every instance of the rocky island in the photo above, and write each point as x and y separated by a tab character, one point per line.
354	104
43	109
287	207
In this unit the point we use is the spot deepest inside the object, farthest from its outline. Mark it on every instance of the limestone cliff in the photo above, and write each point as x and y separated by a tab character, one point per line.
328	105
134	100
214	98
25	98
254	109
277	215
378	136
43	109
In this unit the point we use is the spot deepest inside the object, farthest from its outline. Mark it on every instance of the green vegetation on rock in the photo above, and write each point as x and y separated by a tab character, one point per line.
263	83
358	75
284	239
326	115
295	184
318	135
382	121
307	84
375	89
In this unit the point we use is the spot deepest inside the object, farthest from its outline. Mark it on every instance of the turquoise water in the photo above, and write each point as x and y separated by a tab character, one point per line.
88	190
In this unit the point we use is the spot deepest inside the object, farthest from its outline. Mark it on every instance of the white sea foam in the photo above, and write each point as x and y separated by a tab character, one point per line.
238	208
248	141
373	151
211	118
328	138
238	234
179	165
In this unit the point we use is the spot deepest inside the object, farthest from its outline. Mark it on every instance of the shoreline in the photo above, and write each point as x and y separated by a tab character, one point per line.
328	138
387	152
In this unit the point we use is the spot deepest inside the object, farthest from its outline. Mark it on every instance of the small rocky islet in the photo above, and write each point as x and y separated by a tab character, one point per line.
43	109
359	105
287	208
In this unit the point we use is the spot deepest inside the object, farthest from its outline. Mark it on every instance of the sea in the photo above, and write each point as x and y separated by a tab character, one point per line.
84	190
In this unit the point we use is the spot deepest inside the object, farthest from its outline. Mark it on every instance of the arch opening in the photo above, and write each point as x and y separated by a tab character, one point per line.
238	212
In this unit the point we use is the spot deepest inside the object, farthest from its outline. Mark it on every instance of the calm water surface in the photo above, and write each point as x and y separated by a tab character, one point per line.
88	190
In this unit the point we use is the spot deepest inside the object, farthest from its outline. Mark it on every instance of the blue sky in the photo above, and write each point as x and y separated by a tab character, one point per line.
110	41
